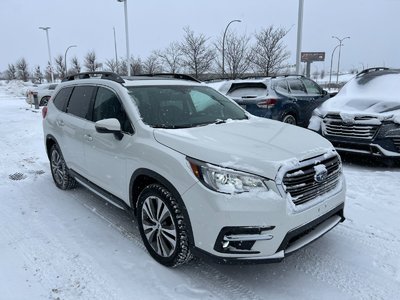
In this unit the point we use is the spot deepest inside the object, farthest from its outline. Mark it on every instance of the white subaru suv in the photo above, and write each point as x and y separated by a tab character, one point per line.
201	175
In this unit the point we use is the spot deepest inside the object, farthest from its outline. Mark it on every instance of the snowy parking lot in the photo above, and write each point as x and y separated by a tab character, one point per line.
58	244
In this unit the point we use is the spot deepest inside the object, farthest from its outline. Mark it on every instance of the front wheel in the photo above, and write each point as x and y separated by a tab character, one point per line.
163	226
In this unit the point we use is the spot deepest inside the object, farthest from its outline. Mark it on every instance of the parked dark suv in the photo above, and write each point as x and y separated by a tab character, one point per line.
290	99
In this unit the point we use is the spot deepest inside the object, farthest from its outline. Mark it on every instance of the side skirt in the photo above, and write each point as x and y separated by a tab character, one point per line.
100	192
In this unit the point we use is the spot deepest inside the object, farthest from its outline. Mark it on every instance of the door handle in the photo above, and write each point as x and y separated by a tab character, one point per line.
88	137
60	123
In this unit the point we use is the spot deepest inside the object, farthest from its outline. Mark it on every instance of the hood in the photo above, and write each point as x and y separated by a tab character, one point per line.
258	146
367	95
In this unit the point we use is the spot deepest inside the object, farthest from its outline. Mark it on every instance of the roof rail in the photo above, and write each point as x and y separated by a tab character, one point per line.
371	70
104	75
171	75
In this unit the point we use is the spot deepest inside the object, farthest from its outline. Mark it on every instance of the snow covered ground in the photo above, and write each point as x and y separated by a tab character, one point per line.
71	245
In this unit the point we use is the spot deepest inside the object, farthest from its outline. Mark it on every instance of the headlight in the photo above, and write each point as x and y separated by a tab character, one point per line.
226	180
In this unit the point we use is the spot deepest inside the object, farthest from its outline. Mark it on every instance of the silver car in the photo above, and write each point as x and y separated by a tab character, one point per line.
43	92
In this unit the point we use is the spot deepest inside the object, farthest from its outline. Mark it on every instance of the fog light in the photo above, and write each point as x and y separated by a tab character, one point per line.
225	245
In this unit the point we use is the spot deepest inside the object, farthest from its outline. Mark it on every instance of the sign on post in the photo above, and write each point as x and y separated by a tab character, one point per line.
312	56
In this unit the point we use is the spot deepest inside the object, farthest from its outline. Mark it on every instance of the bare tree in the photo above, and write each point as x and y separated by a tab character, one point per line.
91	63
171	58
136	66
123	67
76	66
112	65
11	72
197	57
22	69
237	54
269	53
152	65
38	75
60	66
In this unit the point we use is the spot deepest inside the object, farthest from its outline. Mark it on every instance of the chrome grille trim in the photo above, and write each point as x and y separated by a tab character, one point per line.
396	141
333	125
301	185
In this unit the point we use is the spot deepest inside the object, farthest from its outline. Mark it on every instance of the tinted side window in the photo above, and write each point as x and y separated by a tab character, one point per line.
79	102
282	87
296	86
107	105
60	101
312	87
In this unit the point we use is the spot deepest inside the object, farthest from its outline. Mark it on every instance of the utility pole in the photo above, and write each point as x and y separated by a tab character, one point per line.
299	35
48	48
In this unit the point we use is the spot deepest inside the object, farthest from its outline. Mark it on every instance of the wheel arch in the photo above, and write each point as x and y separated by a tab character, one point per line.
143	177
50	141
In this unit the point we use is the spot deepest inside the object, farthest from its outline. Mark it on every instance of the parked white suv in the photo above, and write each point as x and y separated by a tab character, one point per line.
201	175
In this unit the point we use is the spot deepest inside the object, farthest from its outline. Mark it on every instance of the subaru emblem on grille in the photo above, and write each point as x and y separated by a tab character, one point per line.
321	174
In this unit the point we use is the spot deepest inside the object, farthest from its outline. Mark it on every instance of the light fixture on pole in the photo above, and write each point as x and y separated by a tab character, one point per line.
340	47
127	34
330	72
223	45
48	48
65	59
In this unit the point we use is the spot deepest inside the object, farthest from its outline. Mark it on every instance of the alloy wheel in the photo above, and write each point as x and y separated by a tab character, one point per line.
159	226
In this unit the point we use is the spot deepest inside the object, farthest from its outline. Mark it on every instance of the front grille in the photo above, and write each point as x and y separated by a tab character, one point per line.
396	141
335	126
301	184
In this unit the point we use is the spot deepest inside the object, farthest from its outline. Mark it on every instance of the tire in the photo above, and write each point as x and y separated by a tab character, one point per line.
289	119
163	226
59	170
44	101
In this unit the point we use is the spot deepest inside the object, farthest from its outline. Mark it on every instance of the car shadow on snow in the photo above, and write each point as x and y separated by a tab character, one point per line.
381	163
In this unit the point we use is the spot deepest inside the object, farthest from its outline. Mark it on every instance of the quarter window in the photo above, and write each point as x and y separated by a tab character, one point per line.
60	101
296	86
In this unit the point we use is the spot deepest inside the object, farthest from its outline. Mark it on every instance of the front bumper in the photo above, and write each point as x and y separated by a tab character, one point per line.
257	228
294	240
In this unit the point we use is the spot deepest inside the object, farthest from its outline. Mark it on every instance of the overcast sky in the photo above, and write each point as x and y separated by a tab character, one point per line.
373	26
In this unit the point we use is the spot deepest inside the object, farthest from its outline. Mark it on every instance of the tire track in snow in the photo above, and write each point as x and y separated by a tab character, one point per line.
338	273
63	274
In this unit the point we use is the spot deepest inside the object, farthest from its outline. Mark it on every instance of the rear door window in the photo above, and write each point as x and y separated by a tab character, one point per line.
79	102
60	101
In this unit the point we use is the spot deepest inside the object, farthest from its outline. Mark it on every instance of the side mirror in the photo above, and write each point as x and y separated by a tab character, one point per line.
109	126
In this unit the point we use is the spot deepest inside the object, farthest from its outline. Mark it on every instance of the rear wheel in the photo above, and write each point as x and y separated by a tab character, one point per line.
289	119
44	101
59	170
163	226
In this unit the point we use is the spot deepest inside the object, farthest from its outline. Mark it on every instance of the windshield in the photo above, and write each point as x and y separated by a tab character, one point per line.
183	106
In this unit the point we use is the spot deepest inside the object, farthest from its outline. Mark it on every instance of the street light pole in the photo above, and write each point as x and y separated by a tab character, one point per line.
223	45
299	35
65	59
127	34
115	48
340	47
330	72
48	48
